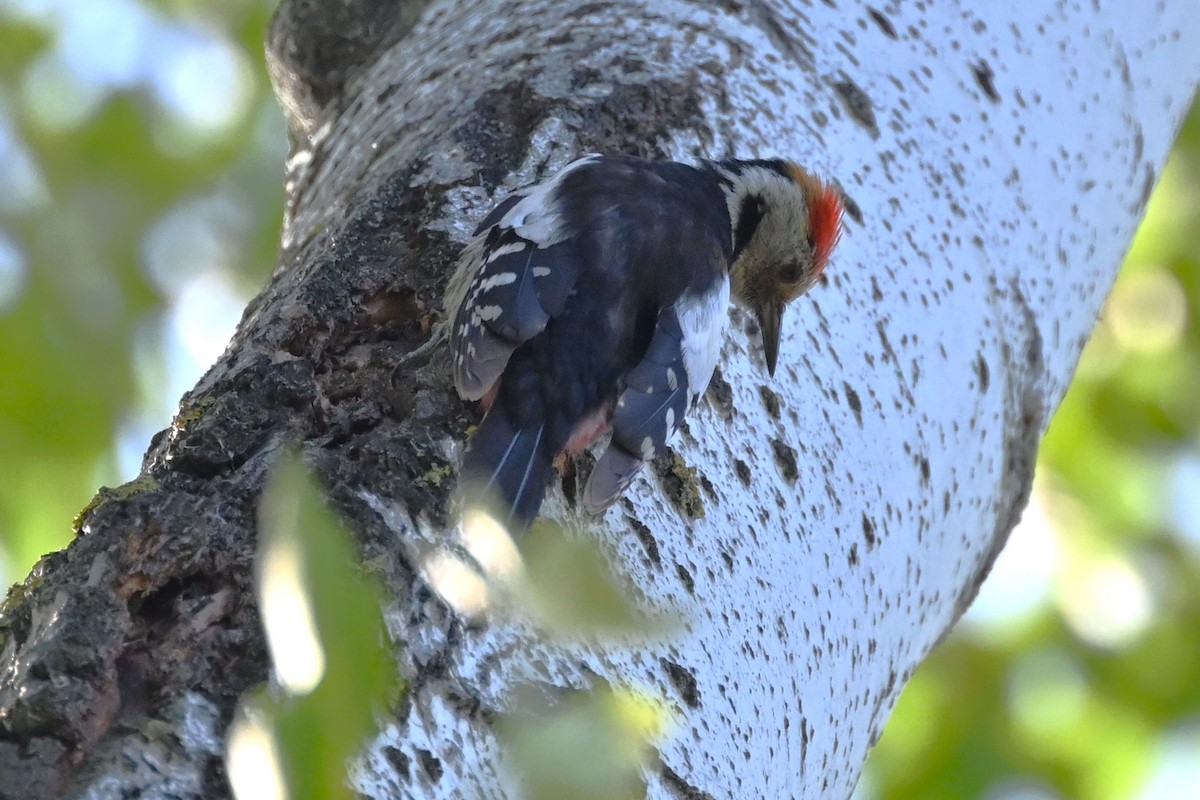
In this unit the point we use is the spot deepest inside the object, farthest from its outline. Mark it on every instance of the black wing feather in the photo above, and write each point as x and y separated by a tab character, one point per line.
646	414
509	463
512	295
496	214
517	288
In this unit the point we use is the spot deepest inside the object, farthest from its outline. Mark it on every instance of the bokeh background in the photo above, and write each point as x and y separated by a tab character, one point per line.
141	162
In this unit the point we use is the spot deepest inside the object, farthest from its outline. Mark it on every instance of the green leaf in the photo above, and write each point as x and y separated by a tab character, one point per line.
570	590
328	646
587	746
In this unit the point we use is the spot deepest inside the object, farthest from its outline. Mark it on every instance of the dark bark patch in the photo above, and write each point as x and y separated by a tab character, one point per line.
33	768
406	466
586	10
885	24
399	761
221	440
315	48
983	373
780	33
986	78
617	122
685	576
497	130
855	402
868	529
804	737
61	677
414	258
431	764
684	682
770	401
401	396
743	471
646	537
785	459
158	604
680	788
858	103
1025	411
727	557
853	210
1147	187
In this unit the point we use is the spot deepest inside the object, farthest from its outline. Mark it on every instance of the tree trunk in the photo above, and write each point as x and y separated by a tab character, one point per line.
839	518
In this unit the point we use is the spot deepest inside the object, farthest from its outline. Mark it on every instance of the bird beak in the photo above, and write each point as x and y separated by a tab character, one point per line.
769	317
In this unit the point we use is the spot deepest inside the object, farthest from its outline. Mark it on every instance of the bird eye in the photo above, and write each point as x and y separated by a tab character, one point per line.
791	272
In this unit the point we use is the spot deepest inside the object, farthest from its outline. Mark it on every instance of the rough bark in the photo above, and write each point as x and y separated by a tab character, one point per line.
840	518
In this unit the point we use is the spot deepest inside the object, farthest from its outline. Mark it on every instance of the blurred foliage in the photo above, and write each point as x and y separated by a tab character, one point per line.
334	669
140	190
141	160
569	590
588	746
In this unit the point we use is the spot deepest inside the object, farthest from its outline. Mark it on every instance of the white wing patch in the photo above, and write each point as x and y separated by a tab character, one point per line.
506	249
533	218
703	320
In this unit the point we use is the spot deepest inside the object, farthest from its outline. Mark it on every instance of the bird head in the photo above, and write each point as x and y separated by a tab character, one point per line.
785	225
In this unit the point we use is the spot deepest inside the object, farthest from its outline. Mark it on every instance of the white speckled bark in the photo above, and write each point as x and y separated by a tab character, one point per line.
997	161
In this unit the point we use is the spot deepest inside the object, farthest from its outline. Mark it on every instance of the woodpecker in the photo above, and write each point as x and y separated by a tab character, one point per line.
599	299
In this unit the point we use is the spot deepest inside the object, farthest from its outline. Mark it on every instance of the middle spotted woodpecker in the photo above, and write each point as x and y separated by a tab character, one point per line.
599	298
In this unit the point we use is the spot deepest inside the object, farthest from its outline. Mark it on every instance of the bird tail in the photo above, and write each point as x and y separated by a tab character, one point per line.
509	463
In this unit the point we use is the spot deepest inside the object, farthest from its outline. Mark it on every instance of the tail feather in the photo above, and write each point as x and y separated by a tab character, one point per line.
611	476
513	464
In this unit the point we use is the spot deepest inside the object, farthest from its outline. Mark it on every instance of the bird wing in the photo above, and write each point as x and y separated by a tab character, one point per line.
517	288
659	391
512	278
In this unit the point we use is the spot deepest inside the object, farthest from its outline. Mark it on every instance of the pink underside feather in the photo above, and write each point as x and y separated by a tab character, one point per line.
485	402
589	429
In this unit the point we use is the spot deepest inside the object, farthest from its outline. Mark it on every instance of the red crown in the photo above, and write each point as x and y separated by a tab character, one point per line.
825	222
